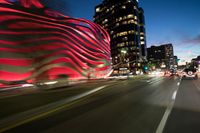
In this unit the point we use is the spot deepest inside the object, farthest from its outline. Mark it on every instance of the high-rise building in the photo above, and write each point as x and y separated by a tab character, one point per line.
161	56
124	20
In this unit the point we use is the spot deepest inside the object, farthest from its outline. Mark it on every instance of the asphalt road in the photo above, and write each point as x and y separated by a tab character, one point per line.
164	104
185	116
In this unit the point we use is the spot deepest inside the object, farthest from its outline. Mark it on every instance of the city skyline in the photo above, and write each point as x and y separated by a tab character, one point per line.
166	22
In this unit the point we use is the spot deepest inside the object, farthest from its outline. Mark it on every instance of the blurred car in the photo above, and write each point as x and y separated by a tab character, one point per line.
52	84
190	73
168	73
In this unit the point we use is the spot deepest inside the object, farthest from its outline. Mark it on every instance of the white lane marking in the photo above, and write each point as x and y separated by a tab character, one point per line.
165	117
95	90
178	83
155	80
163	122
174	95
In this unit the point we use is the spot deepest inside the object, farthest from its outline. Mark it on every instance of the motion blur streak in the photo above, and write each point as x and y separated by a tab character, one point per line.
37	43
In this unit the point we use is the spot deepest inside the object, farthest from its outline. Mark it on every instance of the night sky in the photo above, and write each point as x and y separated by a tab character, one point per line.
167	21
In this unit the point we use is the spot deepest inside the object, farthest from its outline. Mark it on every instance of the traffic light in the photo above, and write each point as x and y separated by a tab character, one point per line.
146	68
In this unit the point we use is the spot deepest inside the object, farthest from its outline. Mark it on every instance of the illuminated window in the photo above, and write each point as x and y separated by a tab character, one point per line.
117	24
125	22
121	44
131	31
142	42
135	17
141	33
123	7
125	39
131	21
107	10
122	33
141	37
130	16
105	21
98	9
136	22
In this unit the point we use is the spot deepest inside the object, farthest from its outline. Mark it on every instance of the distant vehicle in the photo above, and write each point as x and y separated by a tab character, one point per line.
190	72
174	72
168	73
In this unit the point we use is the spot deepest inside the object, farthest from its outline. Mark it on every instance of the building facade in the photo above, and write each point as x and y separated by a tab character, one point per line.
40	48
196	61
161	56
176	60
124	21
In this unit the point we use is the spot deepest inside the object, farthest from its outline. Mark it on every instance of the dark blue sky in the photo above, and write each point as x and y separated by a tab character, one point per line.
167	21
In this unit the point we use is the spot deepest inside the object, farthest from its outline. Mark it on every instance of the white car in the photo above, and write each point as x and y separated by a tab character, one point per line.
190	73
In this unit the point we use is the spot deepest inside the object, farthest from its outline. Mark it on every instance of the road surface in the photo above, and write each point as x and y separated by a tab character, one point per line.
149	105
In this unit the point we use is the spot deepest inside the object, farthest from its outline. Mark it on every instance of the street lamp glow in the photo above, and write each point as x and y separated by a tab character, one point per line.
123	51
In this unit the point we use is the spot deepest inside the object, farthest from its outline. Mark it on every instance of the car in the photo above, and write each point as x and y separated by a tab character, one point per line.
190	73
167	73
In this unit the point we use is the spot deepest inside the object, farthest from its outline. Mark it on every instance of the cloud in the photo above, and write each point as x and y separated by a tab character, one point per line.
194	40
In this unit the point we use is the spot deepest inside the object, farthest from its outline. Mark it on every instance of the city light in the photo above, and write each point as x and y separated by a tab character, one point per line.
51	82
123	51
27	85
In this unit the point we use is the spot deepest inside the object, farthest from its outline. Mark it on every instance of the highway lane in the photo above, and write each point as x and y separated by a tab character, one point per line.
185	116
126	107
